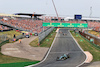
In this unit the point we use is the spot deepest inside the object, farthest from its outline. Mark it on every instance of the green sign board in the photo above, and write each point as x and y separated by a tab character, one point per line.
76	35
91	40
47	39
81	40
46	24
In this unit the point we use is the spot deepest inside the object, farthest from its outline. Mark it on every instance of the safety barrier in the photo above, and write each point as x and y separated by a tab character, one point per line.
3	38
88	39
43	34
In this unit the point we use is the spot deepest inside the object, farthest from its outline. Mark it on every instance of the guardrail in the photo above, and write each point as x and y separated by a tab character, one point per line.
91	35
88	37
9	25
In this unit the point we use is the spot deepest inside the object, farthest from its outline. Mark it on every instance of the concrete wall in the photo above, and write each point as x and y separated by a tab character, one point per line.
44	34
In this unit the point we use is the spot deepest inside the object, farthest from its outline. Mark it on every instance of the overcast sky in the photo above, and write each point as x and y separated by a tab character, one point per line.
64	7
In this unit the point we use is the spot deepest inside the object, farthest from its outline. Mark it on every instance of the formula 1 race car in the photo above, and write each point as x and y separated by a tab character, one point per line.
60	32
64	57
64	34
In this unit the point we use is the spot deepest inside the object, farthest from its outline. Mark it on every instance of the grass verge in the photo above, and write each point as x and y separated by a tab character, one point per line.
10	34
21	64
46	42
87	46
8	61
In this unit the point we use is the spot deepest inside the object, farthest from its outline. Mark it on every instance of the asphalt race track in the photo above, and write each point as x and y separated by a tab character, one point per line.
64	44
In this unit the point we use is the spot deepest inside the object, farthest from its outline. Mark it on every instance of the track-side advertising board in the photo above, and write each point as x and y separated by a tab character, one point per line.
46	24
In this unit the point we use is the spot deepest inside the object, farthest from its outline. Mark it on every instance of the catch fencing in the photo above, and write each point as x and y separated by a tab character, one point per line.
43	34
3	38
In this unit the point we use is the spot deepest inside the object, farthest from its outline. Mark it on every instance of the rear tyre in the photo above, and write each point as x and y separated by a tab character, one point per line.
57	59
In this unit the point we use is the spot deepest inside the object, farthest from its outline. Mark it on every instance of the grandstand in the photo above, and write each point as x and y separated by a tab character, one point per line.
3	27
26	24
93	23
34	23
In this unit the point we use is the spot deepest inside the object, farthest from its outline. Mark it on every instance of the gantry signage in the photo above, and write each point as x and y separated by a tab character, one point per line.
46	24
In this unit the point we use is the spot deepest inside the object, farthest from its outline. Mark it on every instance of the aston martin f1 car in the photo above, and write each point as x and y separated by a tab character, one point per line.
64	34
64	57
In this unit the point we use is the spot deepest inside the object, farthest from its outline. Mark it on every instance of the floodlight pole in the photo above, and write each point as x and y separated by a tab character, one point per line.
90	11
55	8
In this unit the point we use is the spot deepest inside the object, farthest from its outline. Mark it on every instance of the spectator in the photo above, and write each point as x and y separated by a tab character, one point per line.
19	40
14	36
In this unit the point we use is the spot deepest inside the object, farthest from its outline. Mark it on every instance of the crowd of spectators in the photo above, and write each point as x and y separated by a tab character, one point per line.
52	19
94	25
36	25
75	22
91	24
29	24
26	24
3	27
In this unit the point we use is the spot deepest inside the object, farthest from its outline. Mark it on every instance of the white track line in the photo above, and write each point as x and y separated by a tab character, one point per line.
46	55
80	48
